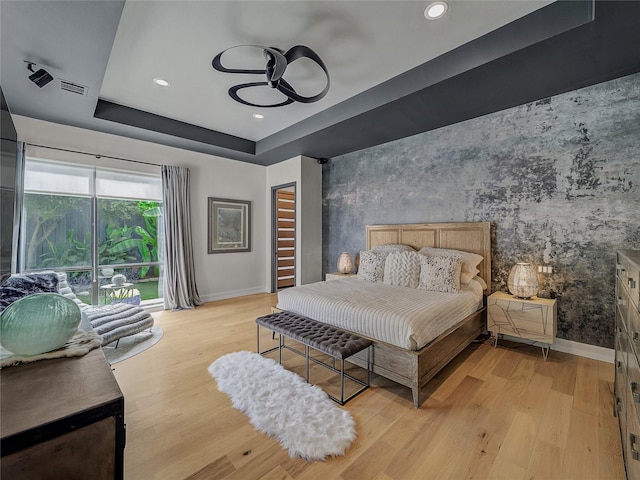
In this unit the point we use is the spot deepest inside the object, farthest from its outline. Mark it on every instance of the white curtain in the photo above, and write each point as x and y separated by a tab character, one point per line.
179	289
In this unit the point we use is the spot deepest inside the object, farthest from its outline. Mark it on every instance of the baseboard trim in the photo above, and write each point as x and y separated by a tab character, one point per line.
232	294
575	348
584	350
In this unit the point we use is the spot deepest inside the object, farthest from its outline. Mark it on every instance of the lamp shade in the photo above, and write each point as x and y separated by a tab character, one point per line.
523	280
345	264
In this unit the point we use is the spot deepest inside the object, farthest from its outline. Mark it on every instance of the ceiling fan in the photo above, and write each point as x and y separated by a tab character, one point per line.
277	62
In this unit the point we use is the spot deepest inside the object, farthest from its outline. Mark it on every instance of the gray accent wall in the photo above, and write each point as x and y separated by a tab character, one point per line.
559	180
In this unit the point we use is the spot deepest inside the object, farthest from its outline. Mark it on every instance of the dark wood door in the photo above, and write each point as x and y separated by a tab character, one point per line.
285	223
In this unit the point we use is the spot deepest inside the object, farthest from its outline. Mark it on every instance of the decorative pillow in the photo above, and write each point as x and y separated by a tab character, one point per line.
465	277
440	274
403	269
393	247
470	261
371	266
481	281
24	284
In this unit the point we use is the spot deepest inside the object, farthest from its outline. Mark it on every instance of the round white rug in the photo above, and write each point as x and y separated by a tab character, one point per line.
132	345
283	405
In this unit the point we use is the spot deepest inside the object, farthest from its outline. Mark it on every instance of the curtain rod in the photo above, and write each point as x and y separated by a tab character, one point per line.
97	155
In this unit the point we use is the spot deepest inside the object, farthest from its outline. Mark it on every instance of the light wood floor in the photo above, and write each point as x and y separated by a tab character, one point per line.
492	413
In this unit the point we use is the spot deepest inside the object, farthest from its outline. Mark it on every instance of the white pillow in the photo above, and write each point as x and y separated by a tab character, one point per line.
388	248
465	277
402	269
371	266
440	274
481	281
470	261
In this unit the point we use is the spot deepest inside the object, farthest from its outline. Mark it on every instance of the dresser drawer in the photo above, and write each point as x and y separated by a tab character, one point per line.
633	325
634	330
631	442
633	377
621	381
629	275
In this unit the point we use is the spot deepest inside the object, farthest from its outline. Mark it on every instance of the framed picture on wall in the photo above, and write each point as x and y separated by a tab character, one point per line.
229	225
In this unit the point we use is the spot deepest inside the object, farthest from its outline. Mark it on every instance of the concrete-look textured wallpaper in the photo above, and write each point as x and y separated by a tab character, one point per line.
559	180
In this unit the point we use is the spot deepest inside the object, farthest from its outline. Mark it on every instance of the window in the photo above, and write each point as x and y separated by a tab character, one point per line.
94	223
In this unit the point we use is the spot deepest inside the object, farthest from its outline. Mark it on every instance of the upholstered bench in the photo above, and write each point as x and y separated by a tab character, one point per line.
338	344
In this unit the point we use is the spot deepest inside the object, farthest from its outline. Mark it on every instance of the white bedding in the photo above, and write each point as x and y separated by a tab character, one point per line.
402	316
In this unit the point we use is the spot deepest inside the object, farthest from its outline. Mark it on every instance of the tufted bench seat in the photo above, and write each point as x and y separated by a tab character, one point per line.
337	343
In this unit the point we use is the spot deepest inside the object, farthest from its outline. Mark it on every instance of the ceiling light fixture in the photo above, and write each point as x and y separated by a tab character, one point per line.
435	10
40	77
161	82
277	61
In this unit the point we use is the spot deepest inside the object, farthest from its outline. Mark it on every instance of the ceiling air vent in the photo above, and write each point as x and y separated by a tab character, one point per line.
73	87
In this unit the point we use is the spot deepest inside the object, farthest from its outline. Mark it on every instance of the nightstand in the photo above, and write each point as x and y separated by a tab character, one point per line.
534	319
337	276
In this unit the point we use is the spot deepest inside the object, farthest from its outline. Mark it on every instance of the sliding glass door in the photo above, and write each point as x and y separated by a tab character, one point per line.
97	225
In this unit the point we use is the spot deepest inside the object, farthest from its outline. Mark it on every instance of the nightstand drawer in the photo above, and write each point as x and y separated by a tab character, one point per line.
534	319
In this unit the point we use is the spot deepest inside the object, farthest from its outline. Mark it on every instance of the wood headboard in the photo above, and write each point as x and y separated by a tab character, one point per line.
469	237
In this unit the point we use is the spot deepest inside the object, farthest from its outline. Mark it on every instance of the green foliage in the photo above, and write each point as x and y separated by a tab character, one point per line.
108	254
117	212
122	242
143	240
72	253
44	214
151	211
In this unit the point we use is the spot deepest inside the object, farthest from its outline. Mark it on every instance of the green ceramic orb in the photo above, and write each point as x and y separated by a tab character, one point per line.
38	323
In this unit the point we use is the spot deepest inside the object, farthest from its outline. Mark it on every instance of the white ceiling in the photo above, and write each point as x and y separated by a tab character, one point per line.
362	43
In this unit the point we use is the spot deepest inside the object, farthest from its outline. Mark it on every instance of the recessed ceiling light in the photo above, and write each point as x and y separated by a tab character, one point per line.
258	116
435	10
161	82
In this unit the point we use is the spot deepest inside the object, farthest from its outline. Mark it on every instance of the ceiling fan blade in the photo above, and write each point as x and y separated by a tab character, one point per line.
233	93
216	63
295	53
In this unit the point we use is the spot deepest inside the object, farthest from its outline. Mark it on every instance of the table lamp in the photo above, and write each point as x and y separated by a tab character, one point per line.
345	264
523	280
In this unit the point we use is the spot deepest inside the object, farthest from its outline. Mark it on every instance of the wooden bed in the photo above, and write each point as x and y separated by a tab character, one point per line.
415	368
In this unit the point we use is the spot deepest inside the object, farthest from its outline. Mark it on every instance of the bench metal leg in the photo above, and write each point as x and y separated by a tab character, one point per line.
332	366
306	354
342	382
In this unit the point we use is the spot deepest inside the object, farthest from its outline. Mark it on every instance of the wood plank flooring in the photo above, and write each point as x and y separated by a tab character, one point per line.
492	413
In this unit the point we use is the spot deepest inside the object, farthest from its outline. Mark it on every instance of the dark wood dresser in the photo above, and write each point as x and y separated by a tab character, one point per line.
627	347
62	418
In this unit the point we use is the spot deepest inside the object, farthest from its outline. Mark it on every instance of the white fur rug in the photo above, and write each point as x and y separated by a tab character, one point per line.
281	404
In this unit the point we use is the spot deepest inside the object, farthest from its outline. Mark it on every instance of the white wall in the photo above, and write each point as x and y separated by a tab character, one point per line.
217	275
310	221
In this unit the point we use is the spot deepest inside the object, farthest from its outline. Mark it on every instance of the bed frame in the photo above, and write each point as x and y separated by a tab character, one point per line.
415	368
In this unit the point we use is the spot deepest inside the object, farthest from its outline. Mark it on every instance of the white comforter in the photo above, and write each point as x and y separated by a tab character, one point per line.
405	317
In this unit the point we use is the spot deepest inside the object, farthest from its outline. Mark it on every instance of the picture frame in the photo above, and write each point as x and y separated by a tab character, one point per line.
229	223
